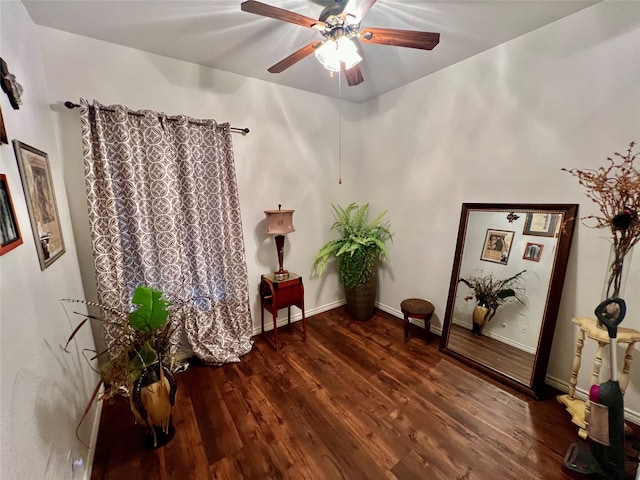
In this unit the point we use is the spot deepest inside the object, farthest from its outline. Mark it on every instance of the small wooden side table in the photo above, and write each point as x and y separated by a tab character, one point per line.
579	409
277	294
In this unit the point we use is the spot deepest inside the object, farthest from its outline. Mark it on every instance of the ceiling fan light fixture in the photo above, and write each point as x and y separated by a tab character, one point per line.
339	24
348	52
331	53
328	55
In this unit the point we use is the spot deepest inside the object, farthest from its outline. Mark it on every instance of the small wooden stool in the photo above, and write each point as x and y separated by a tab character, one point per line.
420	309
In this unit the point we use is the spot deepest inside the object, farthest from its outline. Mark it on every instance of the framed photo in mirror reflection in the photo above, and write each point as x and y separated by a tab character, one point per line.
497	246
541	224
533	251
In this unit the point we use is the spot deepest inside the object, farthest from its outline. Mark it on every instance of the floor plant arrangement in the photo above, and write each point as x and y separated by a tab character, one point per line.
139	363
358	251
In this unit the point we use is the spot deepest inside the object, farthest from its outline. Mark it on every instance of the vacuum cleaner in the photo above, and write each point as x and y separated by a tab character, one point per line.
604	457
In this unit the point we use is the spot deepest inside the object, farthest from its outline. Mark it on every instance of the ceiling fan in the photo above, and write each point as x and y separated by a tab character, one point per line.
339	24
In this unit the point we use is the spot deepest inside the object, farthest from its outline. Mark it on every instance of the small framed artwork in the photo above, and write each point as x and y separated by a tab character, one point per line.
10	236
533	251
497	246
41	202
541	224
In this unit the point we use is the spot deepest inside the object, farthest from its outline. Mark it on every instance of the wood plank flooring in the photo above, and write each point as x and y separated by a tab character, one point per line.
509	360
354	402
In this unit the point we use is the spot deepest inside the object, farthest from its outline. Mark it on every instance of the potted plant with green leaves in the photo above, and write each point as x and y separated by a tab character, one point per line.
138	362
490	293
358	251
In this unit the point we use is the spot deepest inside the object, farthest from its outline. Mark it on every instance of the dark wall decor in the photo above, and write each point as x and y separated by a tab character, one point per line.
3	131
10	236
41	202
10	85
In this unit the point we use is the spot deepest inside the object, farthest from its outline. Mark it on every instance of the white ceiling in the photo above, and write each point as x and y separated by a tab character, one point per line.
216	33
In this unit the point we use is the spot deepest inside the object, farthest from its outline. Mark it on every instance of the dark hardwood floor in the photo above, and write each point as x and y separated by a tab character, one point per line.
354	402
509	360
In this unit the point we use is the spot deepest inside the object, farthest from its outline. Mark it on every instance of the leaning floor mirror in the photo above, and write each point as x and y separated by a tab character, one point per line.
505	289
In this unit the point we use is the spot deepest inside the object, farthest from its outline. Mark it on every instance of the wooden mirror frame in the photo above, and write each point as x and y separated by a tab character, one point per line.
554	293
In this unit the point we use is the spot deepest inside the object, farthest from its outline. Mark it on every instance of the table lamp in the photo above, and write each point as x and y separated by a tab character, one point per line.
280	222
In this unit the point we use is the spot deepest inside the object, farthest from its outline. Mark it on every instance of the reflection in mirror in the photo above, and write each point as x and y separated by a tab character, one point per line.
505	289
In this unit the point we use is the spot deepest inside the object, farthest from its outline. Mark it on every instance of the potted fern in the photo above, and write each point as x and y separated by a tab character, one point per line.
358	251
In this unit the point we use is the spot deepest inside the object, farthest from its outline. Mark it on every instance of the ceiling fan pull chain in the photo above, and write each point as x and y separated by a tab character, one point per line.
339	129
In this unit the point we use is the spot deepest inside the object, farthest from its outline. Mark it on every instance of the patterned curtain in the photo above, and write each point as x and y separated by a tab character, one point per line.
164	212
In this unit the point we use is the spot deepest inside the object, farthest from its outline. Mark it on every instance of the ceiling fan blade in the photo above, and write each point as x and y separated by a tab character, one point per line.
362	9
294	57
353	75
265	10
400	38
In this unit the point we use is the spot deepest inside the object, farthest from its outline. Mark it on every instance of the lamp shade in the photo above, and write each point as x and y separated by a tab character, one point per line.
279	222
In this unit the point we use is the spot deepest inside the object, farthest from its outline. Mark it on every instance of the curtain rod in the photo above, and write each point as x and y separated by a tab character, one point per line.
71	106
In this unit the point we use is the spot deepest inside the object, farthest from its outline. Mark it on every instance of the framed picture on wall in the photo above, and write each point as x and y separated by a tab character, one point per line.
541	224
10	236
41	202
497	246
533	251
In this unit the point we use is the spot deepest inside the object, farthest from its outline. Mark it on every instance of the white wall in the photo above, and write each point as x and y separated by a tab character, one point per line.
43	390
287	158
495	128
498	128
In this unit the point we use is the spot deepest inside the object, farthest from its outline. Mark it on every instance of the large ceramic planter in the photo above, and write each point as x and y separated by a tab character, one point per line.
361	300
481	315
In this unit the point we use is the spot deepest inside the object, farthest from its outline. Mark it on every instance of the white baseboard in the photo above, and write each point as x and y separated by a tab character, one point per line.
295	317
93	441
